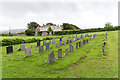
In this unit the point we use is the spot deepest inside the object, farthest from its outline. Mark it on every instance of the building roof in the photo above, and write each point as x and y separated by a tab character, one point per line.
54	28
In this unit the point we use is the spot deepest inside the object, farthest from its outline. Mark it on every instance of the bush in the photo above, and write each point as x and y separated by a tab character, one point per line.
7	42
29	32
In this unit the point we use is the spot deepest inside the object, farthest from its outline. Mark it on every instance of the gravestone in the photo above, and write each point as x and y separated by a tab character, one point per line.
9	49
66	51
59	53
63	39
69	37
63	42
38	43
71	48
70	41
83	42
47	46
51	57
56	44
60	43
103	50
44	42
27	51
60	38
22	46
41	48
77	45
67	42
49	41
53	40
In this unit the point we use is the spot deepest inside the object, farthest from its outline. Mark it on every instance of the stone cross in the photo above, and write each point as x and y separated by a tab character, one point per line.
41	48
59	53
9	49
51	57
47	46
22	46
27	51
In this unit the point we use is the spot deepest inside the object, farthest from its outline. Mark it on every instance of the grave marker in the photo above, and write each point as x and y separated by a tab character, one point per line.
41	48
66	51
9	49
47	46
22	46
27	51
59	53
51	57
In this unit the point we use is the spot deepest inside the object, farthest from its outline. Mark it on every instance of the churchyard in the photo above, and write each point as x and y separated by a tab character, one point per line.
69	56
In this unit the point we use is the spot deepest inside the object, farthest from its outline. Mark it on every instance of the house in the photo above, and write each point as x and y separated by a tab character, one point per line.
54	27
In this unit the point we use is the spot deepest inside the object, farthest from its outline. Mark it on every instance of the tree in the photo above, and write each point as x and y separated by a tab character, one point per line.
49	30
29	32
108	26
67	26
32	25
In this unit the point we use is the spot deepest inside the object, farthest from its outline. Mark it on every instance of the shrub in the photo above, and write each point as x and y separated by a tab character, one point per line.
7	42
29	32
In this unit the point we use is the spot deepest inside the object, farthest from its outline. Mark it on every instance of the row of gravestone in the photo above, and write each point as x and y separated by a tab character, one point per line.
51	57
103	48
9	49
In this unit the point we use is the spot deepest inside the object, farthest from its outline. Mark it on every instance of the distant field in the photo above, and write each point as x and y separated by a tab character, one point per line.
70	66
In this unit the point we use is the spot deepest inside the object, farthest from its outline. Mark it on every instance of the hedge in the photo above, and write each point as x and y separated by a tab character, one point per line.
7	42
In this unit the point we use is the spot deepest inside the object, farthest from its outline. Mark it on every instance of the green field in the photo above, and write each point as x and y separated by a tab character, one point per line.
95	65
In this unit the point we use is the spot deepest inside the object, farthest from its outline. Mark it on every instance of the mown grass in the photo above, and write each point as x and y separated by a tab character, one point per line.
14	65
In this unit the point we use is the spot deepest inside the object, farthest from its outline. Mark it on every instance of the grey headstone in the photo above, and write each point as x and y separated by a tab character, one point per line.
71	48
49	41
77	45
63	39
47	46
51	57
56	44
60	43
59	53
22	46
66	51
53	40
83	42
41	48
27	51
44	42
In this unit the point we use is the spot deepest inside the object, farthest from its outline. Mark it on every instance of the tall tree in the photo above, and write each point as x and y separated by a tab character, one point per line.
33	25
108	26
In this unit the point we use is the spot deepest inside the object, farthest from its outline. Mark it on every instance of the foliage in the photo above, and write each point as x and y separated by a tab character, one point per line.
67	26
32	25
108	26
6	42
49	30
29	32
21	33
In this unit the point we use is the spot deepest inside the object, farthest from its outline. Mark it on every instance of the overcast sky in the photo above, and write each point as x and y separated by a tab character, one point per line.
83	13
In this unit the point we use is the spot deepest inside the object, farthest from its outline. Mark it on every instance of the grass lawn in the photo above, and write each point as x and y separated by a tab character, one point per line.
95	65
